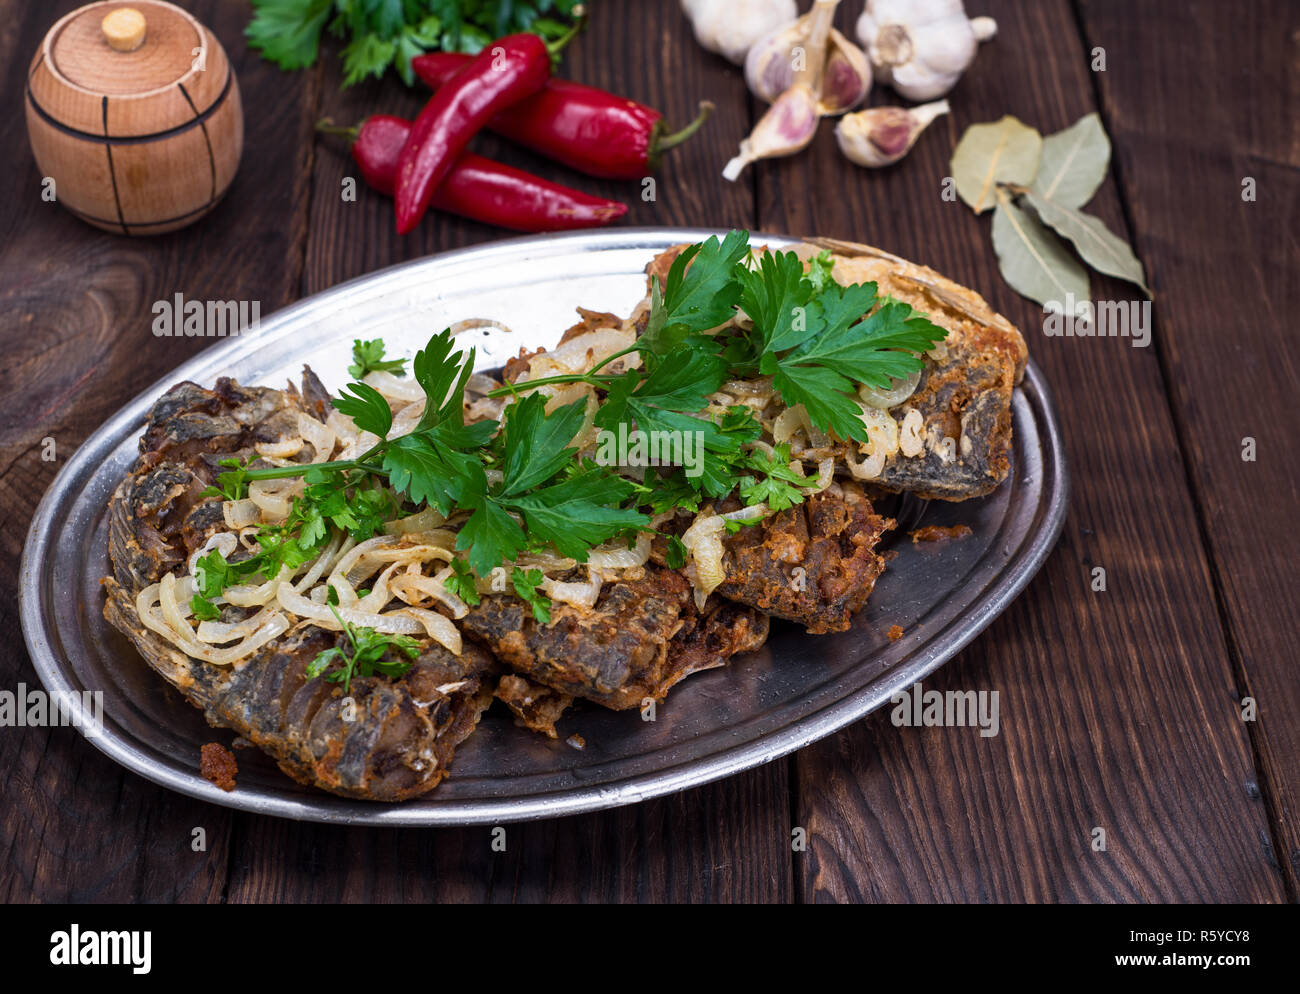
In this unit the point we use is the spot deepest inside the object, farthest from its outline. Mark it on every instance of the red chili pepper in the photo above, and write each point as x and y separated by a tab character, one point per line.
477	188
504	73
587	129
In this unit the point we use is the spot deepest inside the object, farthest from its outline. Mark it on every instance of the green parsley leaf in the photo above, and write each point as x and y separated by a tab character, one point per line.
675	556
367	657
204	609
697	298
368	357
287	32
461	582
367	408
231	485
526	583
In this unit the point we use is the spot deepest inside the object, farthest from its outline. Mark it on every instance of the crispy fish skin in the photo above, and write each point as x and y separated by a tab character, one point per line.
814	563
965	389
641	638
390	739
966	384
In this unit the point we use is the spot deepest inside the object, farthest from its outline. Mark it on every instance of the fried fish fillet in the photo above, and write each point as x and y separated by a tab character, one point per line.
394	738
641	637
963	399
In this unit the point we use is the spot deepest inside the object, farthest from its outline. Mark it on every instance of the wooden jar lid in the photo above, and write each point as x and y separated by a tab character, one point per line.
175	74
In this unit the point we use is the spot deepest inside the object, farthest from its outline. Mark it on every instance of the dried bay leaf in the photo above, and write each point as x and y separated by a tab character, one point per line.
1005	151
1098	245
1074	162
1035	262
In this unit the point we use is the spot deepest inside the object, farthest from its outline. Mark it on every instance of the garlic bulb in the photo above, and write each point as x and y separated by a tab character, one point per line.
880	136
730	27
772	62
791	121
921	47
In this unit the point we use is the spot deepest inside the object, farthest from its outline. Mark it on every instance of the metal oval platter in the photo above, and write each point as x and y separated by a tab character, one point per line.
797	689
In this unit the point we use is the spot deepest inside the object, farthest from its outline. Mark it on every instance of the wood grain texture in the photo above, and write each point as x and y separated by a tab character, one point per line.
1117	709
1222	110
75	305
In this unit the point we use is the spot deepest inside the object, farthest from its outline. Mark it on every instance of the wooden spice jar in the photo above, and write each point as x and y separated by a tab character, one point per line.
133	111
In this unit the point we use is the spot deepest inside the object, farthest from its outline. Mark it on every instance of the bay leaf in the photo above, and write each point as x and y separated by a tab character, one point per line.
1036	262
1100	248
1074	162
1005	151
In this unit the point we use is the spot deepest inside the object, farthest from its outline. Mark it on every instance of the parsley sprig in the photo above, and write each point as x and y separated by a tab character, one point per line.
366	656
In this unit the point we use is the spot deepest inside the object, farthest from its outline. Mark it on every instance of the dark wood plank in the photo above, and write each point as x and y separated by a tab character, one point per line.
1118	708
76	308
1220	107
727	841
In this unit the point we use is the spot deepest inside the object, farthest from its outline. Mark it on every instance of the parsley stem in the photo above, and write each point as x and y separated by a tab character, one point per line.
283	472
588	377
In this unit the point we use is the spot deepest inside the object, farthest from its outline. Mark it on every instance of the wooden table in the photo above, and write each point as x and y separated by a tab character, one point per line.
1121	709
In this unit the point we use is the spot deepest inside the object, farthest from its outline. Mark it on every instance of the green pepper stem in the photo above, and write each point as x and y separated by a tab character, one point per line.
661	143
326	126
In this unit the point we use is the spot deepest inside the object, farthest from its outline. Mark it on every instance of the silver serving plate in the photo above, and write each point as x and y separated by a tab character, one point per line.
796	690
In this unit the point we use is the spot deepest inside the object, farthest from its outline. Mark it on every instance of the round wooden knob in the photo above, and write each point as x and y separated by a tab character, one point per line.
124	29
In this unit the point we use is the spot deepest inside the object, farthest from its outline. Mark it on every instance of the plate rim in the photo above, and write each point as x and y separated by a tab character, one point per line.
694	772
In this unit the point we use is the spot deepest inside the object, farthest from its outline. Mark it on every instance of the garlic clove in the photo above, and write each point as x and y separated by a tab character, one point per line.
772	63
786	128
846	80
791	121
921	47
880	136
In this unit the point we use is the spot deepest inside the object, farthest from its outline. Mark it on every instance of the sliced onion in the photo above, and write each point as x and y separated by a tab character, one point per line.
388	624
481	383
406	421
898	392
318	566
789	421
374	601
580	594
703	541
435	625
342	426
425	520
223	542
882	432
825	476
222	632
616	555
274	498
321	437
246	595
911	442
411	587
868	469
397	387
240	514
282	449
154	621
545	561
751	513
